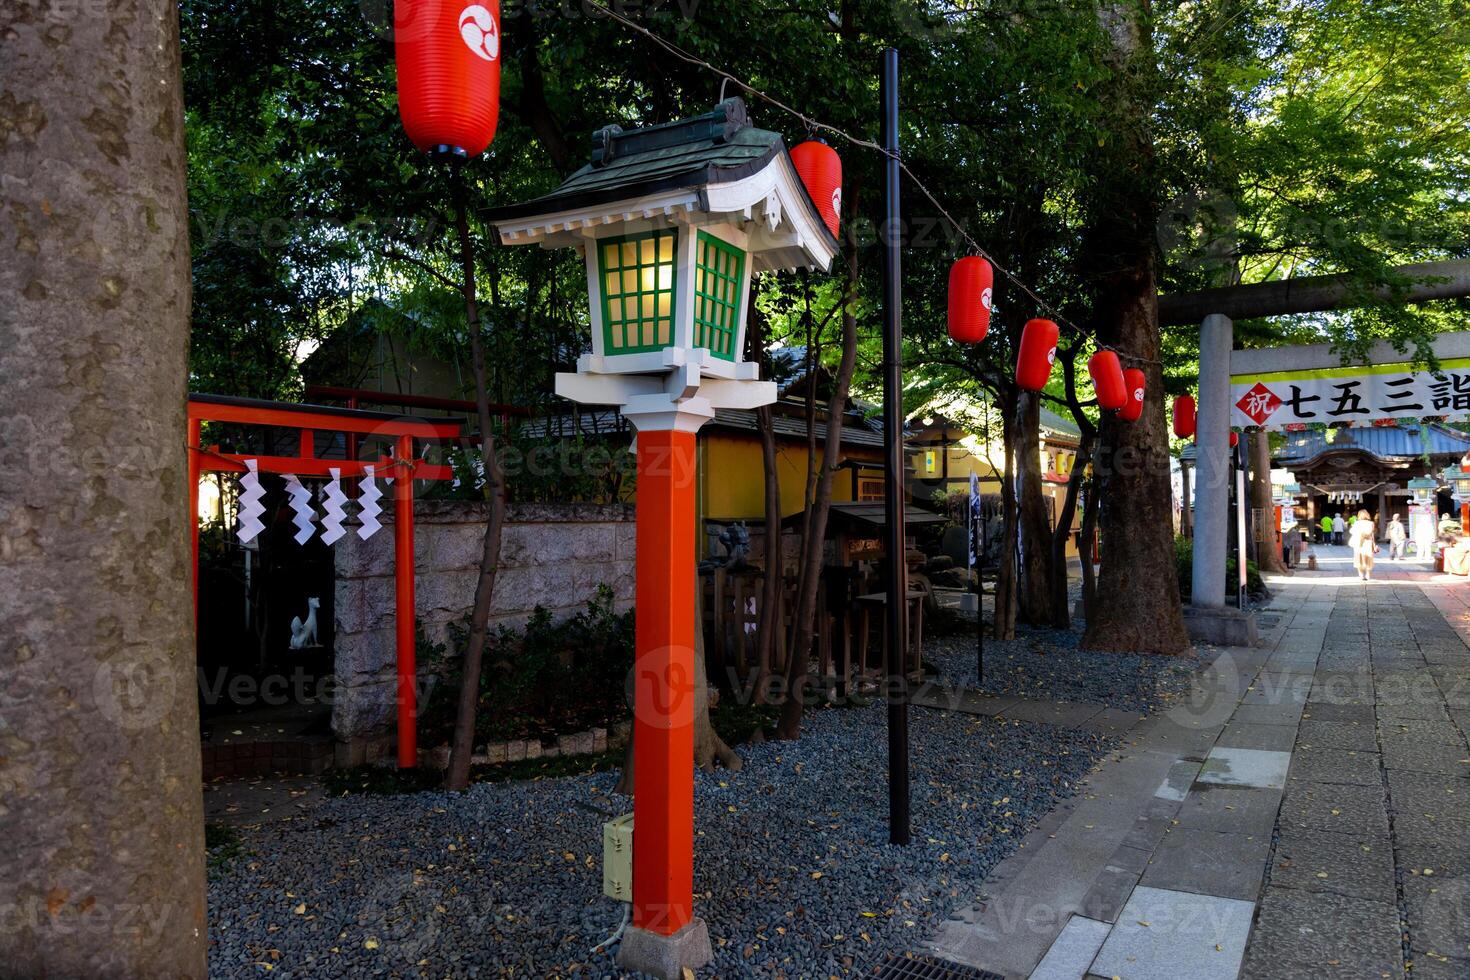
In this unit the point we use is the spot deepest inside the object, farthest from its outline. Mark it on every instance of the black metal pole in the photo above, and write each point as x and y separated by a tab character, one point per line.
980	529
896	621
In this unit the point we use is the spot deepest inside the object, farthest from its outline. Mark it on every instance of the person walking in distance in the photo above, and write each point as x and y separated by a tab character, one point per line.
1338	527
1397	538
1364	544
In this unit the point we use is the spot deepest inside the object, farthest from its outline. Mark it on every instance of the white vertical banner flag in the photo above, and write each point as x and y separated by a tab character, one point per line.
250	508
301	504
334	503
974	518
367	504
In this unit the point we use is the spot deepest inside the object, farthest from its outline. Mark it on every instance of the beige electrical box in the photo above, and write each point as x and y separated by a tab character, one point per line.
617	858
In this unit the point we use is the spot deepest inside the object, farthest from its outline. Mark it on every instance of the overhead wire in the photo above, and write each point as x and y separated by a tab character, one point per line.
814	125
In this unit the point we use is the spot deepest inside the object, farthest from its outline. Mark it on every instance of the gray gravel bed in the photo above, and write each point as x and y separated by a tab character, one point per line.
1046	664
793	871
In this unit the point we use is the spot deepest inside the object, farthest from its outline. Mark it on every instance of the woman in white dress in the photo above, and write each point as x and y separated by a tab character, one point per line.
1363	539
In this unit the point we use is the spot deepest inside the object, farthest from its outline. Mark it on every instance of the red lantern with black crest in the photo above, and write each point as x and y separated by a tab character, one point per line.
1133	384
1184	416
448	58
1038	353
970	282
820	170
1107	380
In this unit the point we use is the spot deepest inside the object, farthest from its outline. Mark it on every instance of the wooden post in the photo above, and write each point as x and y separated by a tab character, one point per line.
403	577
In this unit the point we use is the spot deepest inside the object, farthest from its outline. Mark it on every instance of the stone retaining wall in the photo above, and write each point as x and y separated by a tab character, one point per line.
552	555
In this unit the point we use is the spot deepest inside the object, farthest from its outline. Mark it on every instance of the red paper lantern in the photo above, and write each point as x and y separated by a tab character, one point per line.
1184	416
1107	380
1234	440
820	170
1133	384
448	56
970	281
1038	353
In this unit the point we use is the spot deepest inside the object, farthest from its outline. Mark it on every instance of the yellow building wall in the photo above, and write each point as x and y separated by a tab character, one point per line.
929	464
732	479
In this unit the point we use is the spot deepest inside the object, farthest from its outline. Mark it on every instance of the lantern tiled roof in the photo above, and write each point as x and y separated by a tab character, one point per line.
714	148
715	163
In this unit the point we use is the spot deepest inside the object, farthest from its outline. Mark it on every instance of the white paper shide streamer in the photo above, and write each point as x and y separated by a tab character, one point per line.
334	504
250	507
301	504
367	503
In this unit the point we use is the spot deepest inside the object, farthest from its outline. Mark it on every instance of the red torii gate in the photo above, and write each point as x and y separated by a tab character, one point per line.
402	465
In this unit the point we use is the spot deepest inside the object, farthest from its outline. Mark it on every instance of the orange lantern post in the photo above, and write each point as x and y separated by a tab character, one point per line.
668	290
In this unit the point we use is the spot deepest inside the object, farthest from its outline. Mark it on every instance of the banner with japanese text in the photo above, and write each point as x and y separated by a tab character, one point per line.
1364	394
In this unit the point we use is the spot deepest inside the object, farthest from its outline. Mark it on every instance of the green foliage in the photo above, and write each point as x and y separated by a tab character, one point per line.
546	469
545	678
1255	586
222	845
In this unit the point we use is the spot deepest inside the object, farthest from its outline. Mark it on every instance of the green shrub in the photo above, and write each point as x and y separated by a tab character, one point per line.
545	677
1255	587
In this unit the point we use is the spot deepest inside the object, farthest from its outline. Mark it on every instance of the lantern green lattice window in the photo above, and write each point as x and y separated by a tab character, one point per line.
719	268
636	276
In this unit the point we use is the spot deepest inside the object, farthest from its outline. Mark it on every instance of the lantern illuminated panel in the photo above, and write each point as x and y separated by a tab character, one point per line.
1423	489
636	273
719	270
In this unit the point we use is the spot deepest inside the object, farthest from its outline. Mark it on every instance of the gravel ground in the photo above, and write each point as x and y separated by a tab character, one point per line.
793	871
1046	664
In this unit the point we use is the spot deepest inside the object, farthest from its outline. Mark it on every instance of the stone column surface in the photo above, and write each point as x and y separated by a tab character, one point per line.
1212	462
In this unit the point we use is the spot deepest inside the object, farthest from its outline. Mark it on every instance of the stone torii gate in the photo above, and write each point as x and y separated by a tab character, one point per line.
1224	372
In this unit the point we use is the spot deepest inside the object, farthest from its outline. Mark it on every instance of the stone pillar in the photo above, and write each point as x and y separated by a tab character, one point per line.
1212	463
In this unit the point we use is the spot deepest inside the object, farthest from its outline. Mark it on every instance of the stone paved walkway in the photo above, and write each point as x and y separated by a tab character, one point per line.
1303	815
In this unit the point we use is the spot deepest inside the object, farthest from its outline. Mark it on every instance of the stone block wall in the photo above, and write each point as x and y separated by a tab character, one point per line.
552	555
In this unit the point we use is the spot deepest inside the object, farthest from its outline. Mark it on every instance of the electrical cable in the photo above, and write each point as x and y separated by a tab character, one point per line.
814	125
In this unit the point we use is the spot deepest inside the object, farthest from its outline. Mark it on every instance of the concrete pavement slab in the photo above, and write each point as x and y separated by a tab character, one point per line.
1306	935
1245	767
1073	951
1207	862
1335	766
1343	864
1166	935
1343	809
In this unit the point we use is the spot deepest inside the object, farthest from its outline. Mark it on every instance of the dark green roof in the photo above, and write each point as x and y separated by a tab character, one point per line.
715	148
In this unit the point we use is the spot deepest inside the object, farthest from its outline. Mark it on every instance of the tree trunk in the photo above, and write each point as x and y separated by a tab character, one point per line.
1003	619
101	808
803	628
1061	613
1089	532
1268	542
1143	611
770	621
458	775
1035	580
709	748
